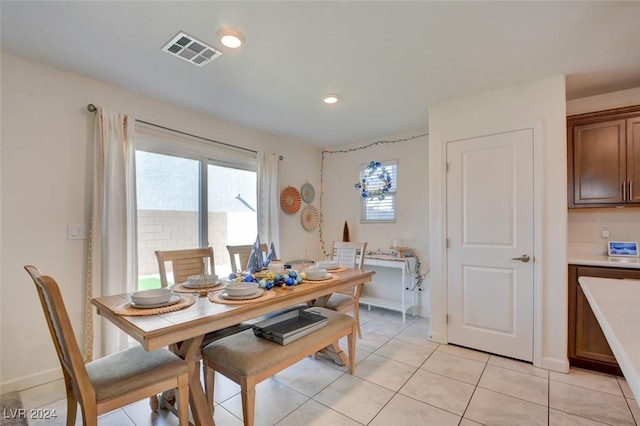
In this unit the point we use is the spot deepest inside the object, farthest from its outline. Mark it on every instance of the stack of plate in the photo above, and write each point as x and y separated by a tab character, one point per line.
327	264
155	298
241	291
195	281
315	274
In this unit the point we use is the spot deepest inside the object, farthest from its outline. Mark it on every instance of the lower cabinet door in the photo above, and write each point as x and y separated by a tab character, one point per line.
588	348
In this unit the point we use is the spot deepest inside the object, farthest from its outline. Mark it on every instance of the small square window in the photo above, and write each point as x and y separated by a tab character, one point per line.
375	209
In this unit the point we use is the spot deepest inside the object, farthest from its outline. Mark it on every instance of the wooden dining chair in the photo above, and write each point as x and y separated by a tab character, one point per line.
348	255
111	382
184	263
188	262
243	253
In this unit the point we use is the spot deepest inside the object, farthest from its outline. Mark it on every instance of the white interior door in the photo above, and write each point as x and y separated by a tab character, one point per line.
490	239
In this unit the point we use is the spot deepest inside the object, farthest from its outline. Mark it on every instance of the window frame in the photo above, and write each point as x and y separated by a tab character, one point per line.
165	142
392	193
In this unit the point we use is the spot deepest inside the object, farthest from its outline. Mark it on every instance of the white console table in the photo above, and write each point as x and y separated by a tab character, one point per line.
408	299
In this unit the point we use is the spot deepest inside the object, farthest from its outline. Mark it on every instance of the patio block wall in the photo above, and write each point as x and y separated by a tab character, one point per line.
176	230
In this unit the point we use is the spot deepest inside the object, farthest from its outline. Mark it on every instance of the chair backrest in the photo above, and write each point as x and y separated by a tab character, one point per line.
185	263
243	253
62	334
349	255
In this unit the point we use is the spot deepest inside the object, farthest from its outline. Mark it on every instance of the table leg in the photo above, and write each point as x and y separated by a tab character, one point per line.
190	352
334	352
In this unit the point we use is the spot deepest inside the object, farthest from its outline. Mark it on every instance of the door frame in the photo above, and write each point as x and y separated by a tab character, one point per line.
438	225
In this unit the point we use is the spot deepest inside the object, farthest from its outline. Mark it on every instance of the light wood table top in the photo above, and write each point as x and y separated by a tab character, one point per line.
191	324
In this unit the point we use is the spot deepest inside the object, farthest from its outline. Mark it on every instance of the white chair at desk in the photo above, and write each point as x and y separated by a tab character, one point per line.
348	255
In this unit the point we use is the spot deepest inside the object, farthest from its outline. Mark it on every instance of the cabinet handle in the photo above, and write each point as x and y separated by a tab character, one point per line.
630	192
624	191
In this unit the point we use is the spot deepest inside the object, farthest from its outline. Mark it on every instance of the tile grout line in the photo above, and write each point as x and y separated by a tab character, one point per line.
475	388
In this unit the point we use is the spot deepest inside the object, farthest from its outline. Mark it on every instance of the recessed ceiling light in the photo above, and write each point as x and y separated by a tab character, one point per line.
230	38
330	98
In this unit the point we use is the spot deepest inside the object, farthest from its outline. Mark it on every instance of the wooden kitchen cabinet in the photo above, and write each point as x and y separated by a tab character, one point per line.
604	158
588	348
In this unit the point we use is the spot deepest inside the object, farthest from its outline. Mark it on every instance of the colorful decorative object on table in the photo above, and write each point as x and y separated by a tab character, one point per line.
308	193
310	218
375	182
290	200
271	279
256	261
271	255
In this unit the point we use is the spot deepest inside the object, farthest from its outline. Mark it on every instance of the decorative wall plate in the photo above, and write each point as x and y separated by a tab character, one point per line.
290	200
308	193
310	218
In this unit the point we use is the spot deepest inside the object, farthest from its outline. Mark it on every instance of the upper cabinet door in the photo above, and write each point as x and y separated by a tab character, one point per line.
604	158
633	160
599	163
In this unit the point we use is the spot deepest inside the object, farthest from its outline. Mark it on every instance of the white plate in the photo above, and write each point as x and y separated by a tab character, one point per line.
326	277
327	265
172	301
187	284
255	295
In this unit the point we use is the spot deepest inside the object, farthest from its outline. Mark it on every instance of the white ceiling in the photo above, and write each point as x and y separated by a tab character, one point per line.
389	60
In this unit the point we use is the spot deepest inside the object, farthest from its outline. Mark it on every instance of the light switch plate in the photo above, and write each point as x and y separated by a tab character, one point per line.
76	232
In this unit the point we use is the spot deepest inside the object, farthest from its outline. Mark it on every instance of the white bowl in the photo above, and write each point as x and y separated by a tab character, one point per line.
314	272
208	279
155	296
327	264
241	288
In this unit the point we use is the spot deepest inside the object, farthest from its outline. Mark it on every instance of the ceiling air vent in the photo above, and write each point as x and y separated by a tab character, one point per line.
191	50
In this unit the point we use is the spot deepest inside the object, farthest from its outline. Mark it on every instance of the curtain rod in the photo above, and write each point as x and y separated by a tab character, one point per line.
92	108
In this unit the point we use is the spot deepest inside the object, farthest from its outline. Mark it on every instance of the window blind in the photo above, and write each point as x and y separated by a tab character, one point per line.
381	210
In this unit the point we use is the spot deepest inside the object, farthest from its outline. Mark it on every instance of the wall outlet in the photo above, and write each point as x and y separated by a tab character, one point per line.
604	231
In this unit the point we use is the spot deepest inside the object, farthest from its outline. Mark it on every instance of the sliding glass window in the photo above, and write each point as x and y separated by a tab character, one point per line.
191	194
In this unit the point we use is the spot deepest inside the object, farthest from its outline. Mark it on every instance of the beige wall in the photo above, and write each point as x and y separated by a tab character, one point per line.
540	104
341	202
45	131
584	224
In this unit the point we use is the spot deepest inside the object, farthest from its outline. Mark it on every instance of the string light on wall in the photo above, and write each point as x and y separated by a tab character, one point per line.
346	151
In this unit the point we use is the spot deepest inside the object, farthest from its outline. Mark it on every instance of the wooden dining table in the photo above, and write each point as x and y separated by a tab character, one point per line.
184	330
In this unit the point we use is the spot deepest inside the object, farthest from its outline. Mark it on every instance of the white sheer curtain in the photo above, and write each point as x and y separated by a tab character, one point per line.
112	239
268	207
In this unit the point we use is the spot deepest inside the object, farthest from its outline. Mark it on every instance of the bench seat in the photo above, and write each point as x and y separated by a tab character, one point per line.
248	360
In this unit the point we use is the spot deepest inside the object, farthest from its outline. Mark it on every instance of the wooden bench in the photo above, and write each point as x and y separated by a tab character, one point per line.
248	360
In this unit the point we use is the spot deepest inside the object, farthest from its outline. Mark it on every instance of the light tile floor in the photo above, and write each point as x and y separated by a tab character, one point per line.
401	379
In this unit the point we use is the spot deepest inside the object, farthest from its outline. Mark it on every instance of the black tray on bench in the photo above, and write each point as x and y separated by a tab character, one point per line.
291	326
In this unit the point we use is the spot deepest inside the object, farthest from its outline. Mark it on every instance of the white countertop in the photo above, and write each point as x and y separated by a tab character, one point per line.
616	305
603	260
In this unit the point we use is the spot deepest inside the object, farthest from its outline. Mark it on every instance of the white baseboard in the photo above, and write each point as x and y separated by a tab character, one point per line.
434	336
555	364
26	382
421	312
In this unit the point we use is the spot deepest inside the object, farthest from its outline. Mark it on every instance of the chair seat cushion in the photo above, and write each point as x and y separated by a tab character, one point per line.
247	355
132	369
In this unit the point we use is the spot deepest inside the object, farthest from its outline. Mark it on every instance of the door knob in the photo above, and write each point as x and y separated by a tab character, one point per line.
524	258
